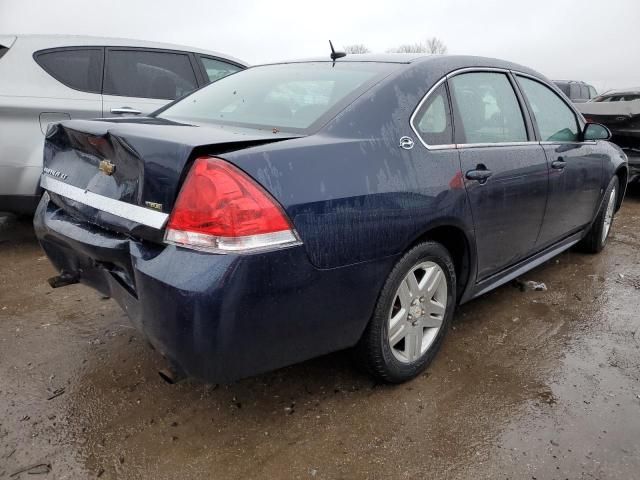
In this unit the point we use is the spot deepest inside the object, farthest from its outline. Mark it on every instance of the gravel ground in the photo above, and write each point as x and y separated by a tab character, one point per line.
528	385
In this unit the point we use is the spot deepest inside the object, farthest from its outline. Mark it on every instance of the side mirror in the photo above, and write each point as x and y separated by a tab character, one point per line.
595	131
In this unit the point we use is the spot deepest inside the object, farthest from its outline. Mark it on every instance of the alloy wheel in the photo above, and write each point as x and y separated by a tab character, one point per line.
417	312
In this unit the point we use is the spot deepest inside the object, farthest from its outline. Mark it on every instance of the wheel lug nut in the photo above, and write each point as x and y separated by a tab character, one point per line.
421	299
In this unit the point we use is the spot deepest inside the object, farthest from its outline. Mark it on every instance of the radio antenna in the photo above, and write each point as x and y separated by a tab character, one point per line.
335	55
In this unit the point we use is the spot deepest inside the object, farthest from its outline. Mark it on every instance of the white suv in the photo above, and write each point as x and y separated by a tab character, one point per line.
45	79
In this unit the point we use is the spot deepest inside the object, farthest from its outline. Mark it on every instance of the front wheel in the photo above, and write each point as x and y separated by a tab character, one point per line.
596	239
413	313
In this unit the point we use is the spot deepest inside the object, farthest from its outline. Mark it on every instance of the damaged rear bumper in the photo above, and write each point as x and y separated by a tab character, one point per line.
217	317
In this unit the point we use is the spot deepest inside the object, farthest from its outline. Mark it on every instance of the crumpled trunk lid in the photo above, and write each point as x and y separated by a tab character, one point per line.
125	174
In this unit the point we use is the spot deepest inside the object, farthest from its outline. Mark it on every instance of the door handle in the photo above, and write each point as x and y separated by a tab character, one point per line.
480	174
126	110
559	164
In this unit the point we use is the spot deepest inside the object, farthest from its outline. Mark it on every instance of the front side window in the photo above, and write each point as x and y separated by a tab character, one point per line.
216	69
592	92
488	109
148	74
556	121
433	120
79	69
284	96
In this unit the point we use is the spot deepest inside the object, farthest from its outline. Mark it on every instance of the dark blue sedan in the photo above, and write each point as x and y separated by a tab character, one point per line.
299	208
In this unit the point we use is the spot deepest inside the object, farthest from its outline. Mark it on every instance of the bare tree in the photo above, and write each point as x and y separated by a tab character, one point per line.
432	45
409	48
356	48
435	45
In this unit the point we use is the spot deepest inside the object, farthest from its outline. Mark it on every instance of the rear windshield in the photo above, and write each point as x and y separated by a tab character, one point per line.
3	50
286	96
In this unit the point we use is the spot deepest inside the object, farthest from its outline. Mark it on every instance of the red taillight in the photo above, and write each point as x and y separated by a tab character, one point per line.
220	208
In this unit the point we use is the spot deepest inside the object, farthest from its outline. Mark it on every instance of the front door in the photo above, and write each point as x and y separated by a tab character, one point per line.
505	171
575	170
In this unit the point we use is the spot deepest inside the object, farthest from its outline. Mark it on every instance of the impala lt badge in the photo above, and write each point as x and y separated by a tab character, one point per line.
55	173
107	167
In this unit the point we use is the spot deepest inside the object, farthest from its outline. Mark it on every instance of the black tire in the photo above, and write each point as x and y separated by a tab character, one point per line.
596	238
374	352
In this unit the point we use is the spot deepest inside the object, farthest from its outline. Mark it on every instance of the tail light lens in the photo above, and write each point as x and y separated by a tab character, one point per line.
221	209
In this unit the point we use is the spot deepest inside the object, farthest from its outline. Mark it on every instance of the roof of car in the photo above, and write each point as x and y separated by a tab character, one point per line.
457	61
53	41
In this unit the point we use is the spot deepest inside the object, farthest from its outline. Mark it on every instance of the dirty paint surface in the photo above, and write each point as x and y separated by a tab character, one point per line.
529	384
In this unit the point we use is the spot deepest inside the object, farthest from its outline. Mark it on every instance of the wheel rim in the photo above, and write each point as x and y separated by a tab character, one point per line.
608	215
417	312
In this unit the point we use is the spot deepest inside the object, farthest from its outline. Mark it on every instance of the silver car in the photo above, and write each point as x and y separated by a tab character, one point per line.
46	79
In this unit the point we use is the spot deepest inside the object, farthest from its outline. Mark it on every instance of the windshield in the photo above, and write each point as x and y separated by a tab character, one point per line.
286	96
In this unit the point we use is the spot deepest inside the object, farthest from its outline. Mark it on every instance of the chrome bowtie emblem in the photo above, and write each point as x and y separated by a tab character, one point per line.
406	143
106	167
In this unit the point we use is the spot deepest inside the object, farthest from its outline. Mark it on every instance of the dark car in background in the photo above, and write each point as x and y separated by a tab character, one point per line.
577	91
299	208
619	110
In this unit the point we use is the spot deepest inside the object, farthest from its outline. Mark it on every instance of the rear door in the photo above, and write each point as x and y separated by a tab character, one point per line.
139	81
40	88
575	167
80	70
505	168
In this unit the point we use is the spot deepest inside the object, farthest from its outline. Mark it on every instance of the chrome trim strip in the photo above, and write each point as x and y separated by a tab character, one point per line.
477	69
476	145
496	144
462	145
115	207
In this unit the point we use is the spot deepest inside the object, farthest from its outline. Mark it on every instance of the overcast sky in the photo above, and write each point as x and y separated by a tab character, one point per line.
589	40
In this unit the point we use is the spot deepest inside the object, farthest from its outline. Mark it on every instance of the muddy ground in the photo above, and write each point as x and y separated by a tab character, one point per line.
532	385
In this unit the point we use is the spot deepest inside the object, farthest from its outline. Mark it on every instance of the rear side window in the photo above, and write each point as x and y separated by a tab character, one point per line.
80	69
3	50
488	108
148	74
433	121
556	121
592	92
217	69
